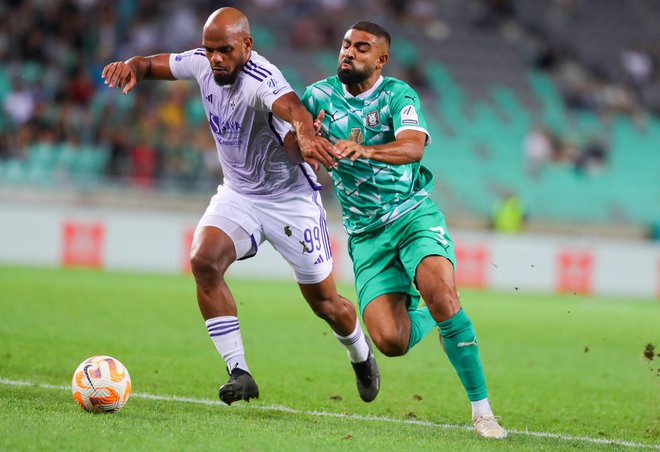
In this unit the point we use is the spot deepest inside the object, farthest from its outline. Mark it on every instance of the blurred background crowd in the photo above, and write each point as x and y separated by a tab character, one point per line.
553	104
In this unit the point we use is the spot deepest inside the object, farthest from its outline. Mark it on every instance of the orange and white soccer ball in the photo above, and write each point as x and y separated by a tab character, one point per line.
101	384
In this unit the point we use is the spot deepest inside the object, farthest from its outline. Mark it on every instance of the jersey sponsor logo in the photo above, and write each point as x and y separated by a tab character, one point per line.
223	128
409	116
373	118
209	98
356	135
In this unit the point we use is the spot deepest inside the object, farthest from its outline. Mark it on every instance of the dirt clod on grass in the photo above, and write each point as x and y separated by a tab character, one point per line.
649	352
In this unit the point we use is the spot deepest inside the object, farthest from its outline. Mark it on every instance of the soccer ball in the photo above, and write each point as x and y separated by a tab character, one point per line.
101	384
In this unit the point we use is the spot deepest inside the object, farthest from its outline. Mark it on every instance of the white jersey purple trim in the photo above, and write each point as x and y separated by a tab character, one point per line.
248	136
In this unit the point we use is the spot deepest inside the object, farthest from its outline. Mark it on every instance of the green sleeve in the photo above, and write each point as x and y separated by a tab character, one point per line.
406	111
308	101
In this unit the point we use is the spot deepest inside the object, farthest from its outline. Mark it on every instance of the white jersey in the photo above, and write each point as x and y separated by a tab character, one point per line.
248	136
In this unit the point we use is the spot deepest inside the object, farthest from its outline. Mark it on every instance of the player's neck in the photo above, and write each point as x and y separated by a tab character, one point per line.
359	88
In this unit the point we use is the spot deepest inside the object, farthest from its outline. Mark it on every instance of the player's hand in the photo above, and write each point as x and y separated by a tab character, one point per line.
316	149
120	74
351	150
318	121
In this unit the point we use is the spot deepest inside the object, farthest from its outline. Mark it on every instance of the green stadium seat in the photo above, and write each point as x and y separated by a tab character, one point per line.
404	51
264	40
14	172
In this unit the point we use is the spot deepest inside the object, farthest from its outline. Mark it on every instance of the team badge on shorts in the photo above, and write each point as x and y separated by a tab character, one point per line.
373	118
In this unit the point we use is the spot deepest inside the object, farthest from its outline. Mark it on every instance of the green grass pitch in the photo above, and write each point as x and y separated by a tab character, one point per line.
564	372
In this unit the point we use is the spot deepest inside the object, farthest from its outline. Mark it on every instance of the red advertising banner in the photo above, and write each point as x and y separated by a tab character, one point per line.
186	247
82	244
472	265
575	271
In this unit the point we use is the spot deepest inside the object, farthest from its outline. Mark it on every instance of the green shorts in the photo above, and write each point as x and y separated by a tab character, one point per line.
386	260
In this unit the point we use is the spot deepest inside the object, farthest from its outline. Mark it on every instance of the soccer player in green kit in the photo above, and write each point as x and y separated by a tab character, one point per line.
398	239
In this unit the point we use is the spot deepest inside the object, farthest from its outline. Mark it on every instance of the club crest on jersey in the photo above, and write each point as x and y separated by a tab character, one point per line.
356	135
373	118
409	116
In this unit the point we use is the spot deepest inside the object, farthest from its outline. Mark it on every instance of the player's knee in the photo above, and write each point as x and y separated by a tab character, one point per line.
325	309
206	268
390	343
444	302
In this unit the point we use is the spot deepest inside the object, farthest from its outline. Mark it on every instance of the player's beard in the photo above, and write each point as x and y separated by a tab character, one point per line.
230	78
351	76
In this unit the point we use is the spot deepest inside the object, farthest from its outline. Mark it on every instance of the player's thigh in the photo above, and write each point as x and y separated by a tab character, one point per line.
211	248
296	227
424	233
378	270
234	216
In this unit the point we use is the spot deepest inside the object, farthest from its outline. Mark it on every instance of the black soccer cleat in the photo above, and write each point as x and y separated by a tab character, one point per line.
367	375
241	386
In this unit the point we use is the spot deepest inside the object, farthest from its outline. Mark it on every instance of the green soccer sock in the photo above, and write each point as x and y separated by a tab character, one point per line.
421	324
460	342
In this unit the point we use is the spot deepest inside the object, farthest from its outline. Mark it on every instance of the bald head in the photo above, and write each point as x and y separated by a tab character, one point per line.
228	44
229	21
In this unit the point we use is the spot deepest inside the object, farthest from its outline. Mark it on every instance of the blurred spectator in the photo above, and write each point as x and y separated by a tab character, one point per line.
51	53
19	104
80	87
171	111
593	158
509	214
638	67
567	151
538	150
143	161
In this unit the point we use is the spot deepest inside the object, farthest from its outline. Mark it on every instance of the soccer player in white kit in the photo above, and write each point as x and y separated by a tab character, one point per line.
250	107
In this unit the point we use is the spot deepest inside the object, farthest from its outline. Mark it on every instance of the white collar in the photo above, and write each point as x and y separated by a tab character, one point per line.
365	94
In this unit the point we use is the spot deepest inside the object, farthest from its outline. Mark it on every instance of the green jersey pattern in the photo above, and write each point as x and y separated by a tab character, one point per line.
371	193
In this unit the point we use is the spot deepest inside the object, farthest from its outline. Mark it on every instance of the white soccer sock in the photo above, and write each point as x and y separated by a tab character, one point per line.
356	344
226	336
481	408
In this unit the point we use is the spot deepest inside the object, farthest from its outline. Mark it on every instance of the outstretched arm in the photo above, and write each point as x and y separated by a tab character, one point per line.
408	147
314	149
126	74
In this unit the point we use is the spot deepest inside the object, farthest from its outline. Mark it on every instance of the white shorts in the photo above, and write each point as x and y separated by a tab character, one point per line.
294	225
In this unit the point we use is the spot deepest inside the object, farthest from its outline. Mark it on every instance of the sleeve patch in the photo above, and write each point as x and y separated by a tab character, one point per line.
409	116
275	85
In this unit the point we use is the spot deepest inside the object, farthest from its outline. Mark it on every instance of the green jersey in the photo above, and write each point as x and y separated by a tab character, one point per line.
371	193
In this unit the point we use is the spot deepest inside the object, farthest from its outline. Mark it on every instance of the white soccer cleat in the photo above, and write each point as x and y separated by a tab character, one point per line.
487	427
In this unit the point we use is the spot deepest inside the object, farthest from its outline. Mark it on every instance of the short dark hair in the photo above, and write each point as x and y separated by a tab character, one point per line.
373	29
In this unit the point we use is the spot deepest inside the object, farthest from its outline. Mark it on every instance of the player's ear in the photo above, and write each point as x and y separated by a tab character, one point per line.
247	43
382	60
